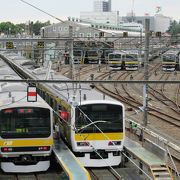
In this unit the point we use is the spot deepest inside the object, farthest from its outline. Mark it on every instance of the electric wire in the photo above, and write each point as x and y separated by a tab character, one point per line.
42	11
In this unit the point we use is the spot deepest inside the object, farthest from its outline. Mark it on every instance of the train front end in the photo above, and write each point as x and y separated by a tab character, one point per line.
100	132
26	138
131	61
168	61
115	61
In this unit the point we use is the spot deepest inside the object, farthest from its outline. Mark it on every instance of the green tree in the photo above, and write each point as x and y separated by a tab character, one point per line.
174	28
38	25
33	28
21	27
8	28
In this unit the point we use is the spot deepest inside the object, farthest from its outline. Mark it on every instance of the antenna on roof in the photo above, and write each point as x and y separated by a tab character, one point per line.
42	10
132	11
158	9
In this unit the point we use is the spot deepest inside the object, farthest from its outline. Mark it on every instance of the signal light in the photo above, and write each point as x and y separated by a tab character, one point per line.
9	45
40	44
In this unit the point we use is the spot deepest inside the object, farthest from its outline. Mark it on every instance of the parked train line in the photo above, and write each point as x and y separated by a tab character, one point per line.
26	132
92	141
22	139
69	91
130	101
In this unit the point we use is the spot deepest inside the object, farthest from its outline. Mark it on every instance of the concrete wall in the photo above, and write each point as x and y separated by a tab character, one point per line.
155	149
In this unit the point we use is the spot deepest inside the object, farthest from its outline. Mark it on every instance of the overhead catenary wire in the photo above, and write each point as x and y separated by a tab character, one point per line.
59	18
93	81
42	11
62	21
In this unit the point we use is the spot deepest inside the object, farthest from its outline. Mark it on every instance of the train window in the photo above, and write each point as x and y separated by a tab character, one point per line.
25	122
92	53
99	108
114	56
130	57
168	57
77	53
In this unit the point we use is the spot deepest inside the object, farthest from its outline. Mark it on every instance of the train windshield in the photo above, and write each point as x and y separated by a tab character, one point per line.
108	52
169	58
107	117
132	57
25	122
115	57
77	53
92	53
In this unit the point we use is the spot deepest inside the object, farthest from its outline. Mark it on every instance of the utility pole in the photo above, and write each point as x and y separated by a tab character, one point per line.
140	45
146	75
70	52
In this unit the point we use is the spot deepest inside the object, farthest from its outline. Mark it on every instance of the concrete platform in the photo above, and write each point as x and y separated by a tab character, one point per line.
71	165
142	154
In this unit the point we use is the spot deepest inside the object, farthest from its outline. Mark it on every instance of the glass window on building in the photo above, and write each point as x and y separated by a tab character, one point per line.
65	28
96	35
88	34
77	28
81	34
54	28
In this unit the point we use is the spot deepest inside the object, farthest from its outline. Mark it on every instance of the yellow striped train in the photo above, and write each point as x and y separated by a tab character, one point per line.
26	128
92	123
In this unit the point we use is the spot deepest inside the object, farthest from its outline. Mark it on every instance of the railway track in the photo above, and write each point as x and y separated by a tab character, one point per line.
123	94
158	92
55	172
106	75
135	99
126	96
131	101
104	173
117	173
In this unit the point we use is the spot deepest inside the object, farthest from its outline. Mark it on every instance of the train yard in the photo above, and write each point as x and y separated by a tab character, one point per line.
54	172
95	98
163	121
163	114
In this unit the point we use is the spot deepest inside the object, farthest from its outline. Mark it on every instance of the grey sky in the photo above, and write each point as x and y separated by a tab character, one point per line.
17	11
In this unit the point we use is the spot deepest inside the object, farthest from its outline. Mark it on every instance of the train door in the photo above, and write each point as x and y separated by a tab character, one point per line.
178	62
77	56
123	65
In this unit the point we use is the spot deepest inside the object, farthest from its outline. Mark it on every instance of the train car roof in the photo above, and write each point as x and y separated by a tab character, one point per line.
15	94
69	92
19	99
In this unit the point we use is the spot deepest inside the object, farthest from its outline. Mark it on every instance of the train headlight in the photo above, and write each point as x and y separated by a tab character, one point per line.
114	143
83	143
7	149
44	148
